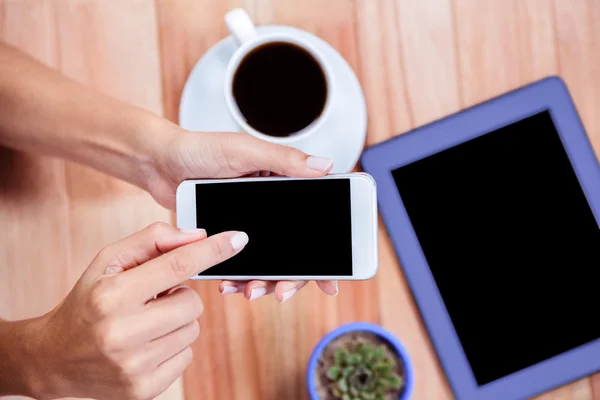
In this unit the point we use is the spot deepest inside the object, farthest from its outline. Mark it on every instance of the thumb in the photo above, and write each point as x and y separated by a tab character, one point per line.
260	155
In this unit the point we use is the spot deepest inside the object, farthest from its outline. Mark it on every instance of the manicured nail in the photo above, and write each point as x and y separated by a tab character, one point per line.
287	294
113	269
193	231
258	292
319	163
239	240
176	288
229	289
335	284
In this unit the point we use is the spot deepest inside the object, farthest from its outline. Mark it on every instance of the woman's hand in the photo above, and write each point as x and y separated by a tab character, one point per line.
46	113
125	329
184	155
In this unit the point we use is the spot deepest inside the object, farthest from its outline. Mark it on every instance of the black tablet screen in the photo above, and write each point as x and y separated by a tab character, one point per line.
511	242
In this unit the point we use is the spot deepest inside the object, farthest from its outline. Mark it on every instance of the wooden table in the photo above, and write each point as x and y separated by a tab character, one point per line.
418	60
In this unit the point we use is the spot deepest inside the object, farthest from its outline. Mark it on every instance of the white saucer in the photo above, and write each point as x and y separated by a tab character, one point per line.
342	135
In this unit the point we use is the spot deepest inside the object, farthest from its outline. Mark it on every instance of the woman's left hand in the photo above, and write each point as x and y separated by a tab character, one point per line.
201	155
46	113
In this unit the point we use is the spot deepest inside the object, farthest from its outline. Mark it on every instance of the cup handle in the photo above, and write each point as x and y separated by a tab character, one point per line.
240	26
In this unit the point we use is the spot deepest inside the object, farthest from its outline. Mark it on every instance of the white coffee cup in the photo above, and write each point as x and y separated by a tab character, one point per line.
244	33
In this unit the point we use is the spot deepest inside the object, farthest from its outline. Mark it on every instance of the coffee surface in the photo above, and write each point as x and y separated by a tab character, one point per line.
279	88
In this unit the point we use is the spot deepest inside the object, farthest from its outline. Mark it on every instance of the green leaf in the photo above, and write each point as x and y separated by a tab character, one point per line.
337	393
354	359
363	349
379	397
379	353
354	391
356	398
382	369
384	385
346	397
347	372
395	381
368	396
343	385
340	356
371	384
368	353
333	373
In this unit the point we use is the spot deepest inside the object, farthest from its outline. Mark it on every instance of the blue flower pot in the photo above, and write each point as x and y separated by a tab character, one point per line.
361	327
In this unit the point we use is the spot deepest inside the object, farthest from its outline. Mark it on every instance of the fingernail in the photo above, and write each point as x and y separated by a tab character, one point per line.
258	292
193	231
335	284
229	289
287	294
319	163
239	240
173	289
113	269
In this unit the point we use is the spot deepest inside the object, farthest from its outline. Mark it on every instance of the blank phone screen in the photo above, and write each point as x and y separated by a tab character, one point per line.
296	227
511	242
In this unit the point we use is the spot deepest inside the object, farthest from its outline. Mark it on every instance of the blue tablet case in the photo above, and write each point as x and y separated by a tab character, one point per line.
380	160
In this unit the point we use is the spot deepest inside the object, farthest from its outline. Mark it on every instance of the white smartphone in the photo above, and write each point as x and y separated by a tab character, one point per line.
299	229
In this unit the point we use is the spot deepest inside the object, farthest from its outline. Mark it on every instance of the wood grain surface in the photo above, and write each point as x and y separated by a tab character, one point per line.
417	60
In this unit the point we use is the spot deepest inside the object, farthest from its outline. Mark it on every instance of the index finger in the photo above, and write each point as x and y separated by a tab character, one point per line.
170	269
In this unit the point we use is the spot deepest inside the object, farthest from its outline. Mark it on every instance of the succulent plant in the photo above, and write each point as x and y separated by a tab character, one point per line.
363	372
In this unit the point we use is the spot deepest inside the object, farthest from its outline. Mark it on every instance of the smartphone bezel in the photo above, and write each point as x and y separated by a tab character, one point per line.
363	200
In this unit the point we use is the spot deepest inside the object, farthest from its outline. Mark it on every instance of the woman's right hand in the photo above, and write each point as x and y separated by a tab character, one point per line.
125	329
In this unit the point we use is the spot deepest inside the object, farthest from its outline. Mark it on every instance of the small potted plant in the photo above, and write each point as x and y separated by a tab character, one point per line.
360	361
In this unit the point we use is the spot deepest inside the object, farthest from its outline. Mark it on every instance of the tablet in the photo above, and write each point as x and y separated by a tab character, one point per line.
493	213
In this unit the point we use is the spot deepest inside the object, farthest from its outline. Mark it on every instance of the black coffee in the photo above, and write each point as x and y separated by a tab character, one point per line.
279	88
